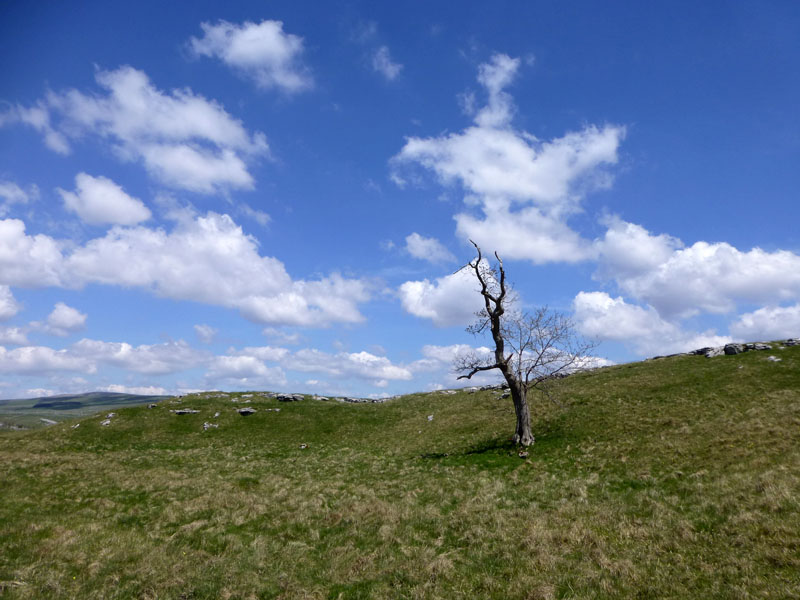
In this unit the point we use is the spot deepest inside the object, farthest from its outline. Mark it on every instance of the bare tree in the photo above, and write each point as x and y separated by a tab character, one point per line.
530	349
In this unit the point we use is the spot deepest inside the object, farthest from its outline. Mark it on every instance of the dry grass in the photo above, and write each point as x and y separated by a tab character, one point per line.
677	478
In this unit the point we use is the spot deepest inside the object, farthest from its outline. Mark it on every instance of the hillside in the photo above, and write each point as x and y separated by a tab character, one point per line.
30	413
673	478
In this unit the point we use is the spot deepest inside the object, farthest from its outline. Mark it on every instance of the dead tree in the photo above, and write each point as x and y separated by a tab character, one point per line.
530	349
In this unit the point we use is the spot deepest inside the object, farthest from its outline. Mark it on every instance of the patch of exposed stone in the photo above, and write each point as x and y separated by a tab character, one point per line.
736	348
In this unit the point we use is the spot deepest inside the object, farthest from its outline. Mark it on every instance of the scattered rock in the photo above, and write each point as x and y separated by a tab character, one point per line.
246	411
207	426
712	352
430	417
111	415
758	346
106	422
185	411
731	349
505	395
152	405
290	397
76	425
321	398
774	359
48	421
216	414
303	446
523	454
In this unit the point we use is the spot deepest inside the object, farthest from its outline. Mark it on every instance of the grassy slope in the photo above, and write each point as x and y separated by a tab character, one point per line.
677	478
28	412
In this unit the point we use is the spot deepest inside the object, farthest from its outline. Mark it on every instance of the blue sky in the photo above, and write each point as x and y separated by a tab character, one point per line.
278	195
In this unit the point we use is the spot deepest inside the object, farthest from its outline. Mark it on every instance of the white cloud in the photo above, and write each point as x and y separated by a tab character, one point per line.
28	261
100	201
155	359
64	320
344	364
12	193
263	52
629	250
179	265
525	188
13	336
8	304
36	360
283	337
142	390
440	360
527	233
244	370
429	249
704	277
768	323
267	353
382	63
259	216
447	301
601	317
205	333
183	139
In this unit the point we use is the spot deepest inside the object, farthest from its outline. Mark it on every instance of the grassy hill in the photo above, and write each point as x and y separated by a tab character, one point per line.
30	413
675	478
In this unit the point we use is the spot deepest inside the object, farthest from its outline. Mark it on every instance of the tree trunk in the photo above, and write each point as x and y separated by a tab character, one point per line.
522	434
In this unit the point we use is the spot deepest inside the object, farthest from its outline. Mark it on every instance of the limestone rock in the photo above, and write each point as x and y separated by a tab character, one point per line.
731	349
185	411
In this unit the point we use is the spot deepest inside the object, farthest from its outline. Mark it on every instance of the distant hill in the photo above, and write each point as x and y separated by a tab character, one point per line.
38	412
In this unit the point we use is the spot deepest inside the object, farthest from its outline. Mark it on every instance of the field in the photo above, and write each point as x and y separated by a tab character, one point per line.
673	478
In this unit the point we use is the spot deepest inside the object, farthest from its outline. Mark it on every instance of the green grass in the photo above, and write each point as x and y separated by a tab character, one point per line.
676	478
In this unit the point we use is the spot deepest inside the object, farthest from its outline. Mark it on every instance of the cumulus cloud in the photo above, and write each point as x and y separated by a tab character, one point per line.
37	360
244	370
28	260
768	323
100	201
12	193
8	304
262	52
151	359
447	301
363	365
180	264
523	189
183	139
13	336
64	320
704	277
382	63
604	318
429	249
